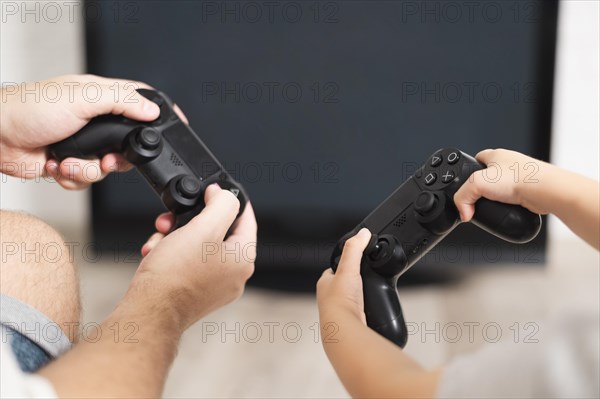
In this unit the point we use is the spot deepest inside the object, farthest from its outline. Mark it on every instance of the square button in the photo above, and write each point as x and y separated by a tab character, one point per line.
430	178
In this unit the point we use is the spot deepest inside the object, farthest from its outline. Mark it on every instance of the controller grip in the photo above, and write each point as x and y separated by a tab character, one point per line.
512	223
382	308
103	135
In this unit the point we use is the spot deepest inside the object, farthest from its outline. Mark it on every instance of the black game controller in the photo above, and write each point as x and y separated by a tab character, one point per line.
411	221
167	152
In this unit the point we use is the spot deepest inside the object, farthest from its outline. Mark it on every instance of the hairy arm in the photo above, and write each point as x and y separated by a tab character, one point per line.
119	365
175	286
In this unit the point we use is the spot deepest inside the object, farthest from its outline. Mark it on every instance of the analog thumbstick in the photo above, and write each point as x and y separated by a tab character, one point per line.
189	187
425	203
380	251
387	256
149	138
143	144
435	211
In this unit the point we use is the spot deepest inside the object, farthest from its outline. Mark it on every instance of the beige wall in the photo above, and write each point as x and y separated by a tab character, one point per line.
34	50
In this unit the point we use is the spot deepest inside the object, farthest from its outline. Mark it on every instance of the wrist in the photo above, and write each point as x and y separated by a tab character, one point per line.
545	194
148	298
338	313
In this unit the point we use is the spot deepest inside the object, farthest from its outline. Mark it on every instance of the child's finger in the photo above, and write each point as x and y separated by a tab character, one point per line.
352	253
485	156
466	196
325	279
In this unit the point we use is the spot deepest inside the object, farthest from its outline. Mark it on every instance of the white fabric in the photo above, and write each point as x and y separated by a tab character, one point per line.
565	363
16	384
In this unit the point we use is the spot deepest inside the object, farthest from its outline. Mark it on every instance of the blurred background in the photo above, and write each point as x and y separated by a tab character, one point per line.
321	109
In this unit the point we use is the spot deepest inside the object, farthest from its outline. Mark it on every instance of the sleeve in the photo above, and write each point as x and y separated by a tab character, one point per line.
17	384
565	363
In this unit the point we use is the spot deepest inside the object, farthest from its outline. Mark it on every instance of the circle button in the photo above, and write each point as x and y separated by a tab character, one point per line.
453	158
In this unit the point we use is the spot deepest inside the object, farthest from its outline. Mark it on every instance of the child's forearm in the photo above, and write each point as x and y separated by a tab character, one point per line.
371	366
573	198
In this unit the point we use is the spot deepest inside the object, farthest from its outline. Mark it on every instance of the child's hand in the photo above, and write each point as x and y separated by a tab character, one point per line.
509	178
368	365
342	291
38	114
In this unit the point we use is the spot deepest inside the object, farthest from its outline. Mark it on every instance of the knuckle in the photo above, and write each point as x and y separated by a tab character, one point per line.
351	244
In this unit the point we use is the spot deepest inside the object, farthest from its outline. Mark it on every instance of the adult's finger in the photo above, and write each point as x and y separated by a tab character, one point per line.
114	163
75	174
245	227
352	253
243	235
181	115
151	243
218	215
165	222
120	100
128	84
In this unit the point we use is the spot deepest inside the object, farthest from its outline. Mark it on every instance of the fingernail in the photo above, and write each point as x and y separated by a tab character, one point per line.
52	168
364	232
73	170
151	108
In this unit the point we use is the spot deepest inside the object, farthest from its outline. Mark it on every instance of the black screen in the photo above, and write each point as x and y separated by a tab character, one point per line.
322	109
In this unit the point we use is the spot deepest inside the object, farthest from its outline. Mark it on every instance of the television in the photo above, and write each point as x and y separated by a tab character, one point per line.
322	109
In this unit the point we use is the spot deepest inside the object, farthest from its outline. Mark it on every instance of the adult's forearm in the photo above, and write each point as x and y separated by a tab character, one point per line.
132	363
371	366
